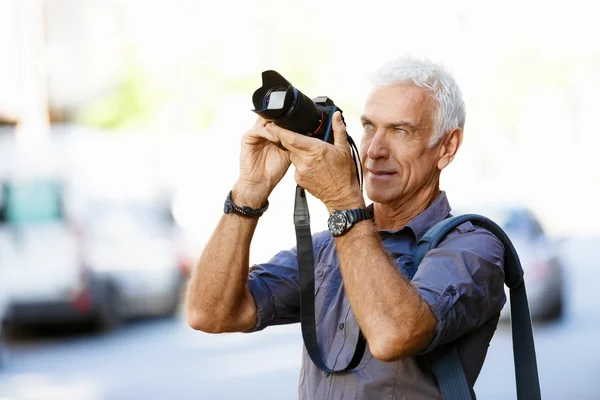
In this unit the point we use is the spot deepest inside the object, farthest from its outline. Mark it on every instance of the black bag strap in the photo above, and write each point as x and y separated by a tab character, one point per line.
446	362
447	368
306	272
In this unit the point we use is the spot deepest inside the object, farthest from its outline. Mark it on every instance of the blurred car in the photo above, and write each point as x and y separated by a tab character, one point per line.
59	272
4	244
131	247
542	266
40	259
2	312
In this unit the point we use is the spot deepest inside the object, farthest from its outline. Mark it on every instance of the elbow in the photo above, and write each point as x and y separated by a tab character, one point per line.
389	347
397	341
200	321
196	320
400	342
202	317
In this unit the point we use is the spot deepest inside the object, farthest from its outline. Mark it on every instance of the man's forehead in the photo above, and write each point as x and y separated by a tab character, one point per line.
399	93
391	100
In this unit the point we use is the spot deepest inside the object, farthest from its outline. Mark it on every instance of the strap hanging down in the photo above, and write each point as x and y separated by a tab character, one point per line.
446	363
306	273
447	368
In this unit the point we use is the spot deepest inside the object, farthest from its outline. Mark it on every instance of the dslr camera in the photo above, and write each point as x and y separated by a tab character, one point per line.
278	101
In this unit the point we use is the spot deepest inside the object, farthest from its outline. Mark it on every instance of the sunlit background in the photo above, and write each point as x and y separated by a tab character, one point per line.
120	123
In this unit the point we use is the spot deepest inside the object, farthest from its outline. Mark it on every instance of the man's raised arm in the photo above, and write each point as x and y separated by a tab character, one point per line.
218	299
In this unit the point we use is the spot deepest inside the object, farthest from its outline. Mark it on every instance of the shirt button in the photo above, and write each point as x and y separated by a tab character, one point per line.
452	291
341	326
327	373
320	273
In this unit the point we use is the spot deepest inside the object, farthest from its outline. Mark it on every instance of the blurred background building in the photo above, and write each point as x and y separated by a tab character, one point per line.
120	123
171	72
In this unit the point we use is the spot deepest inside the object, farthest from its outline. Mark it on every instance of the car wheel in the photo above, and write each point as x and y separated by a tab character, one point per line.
555	311
173	307
3	337
108	316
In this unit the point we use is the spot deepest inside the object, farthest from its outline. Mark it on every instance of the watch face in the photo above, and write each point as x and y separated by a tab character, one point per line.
337	223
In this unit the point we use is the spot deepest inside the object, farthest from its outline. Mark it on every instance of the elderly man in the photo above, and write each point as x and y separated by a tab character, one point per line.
413	126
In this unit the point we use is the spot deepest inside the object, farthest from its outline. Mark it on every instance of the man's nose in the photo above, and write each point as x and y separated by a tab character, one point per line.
379	146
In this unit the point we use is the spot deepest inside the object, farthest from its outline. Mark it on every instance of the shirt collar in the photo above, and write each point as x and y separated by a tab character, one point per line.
438	210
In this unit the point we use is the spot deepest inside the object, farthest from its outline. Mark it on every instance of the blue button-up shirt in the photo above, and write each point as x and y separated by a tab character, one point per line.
462	281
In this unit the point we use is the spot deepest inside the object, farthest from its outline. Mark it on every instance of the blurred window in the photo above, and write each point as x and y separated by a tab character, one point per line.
31	202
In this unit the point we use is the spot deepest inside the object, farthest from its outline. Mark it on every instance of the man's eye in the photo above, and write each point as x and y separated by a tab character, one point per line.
400	130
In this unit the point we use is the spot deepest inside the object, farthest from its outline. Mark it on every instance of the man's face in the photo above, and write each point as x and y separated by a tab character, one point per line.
397	126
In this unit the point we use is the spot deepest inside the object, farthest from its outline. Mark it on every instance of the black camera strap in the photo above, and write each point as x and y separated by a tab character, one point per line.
306	272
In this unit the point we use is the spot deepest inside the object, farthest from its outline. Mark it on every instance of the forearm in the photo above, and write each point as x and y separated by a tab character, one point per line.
392	315
217	289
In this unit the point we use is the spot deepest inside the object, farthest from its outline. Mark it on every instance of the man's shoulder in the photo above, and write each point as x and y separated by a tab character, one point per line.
473	238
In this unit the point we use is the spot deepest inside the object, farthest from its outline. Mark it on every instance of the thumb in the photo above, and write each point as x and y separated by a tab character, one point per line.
339	131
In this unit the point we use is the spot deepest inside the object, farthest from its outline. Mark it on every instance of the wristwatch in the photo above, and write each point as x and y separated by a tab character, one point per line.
340	222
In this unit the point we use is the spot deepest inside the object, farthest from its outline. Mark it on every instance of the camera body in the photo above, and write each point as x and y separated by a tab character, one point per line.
278	101
327	107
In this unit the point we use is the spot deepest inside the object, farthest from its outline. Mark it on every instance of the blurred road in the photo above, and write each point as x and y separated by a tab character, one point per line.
165	359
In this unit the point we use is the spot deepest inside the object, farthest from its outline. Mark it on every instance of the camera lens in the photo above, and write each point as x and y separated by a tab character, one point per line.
275	100
278	101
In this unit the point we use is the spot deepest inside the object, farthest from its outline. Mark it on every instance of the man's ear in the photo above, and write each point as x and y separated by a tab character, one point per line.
448	148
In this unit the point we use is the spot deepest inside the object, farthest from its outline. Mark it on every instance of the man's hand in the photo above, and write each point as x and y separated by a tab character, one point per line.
326	171
262	165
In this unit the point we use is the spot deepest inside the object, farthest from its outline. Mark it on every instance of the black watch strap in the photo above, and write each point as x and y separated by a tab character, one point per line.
245	211
357	214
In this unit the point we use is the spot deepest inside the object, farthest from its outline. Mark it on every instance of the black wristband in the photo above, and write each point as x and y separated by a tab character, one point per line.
245	211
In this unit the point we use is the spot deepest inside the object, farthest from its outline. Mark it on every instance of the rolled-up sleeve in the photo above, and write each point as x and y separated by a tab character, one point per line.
276	290
462	281
275	286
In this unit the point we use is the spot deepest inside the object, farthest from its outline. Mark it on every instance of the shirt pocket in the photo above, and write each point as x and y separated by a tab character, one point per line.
326	285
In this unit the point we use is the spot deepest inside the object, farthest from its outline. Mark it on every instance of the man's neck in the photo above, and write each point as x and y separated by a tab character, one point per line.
395	216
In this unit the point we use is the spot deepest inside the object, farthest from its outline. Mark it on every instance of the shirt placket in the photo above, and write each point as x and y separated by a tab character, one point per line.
339	342
338	347
326	389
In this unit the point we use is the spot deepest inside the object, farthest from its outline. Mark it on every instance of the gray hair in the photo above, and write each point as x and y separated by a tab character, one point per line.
450	112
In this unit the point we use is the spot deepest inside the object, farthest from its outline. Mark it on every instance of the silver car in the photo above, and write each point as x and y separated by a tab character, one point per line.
116	265
40	261
2	311
131	244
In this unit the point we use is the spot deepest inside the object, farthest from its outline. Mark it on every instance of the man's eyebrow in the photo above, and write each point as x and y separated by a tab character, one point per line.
397	124
402	124
364	118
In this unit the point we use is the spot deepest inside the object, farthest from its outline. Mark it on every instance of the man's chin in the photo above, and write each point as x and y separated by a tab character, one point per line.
378	195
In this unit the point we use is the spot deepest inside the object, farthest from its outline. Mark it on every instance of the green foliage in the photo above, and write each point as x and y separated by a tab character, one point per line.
132	103
191	93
